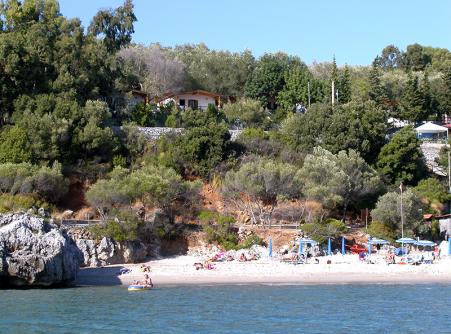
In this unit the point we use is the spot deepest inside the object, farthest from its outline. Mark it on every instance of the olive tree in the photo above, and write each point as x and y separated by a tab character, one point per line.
258	186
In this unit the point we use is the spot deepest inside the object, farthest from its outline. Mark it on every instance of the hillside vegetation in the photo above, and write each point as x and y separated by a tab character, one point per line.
64	91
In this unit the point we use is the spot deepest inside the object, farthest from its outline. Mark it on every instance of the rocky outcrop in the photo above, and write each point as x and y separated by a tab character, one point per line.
431	152
34	252
107	251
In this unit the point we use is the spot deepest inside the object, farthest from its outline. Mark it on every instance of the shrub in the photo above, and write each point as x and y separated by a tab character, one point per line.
219	228
378	229
331	228
251	240
25	178
14	203
14	145
123	228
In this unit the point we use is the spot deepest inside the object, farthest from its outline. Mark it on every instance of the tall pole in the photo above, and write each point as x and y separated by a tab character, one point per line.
402	221
449	168
308	90
449	173
333	93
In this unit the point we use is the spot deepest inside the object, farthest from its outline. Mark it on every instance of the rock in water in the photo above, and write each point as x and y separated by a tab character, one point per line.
35	253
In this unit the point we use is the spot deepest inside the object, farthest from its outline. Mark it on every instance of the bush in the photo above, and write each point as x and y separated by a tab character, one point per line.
14	203
25	178
14	145
250	241
247	113
198	151
331	228
378	229
123	228
219	229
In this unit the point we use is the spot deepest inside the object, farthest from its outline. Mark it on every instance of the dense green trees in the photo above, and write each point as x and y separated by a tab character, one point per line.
268	77
388	211
247	113
25	178
299	82
401	159
14	145
154	186
338	180
63	90
257	186
198	151
357	125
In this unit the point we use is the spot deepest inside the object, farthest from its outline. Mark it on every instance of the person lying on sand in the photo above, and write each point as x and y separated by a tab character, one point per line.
242	258
198	265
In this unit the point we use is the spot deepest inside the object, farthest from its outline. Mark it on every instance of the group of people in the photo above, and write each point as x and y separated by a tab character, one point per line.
206	265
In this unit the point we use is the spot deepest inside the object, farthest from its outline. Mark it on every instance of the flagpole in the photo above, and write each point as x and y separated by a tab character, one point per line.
402	222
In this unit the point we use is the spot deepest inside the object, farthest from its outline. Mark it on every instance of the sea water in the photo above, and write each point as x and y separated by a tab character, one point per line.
230	309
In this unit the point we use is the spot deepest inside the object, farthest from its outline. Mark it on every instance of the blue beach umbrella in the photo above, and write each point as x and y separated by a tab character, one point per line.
343	246
376	241
425	243
369	247
406	241
308	241
270	247
329	247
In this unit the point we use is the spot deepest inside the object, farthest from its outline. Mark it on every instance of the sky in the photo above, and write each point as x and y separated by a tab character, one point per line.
355	31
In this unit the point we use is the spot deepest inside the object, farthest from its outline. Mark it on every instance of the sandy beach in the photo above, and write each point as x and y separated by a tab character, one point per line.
343	270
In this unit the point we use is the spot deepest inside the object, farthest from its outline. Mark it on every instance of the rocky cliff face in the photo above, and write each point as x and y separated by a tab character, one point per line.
34	252
106	251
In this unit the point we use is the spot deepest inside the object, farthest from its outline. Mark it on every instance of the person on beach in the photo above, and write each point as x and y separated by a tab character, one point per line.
148	281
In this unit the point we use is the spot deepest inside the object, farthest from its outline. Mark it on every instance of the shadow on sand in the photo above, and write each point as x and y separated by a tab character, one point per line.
99	276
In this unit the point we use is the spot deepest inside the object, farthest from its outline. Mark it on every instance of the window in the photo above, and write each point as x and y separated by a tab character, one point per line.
193	104
182	102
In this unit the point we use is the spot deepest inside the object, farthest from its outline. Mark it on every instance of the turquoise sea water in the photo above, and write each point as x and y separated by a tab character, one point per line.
230	309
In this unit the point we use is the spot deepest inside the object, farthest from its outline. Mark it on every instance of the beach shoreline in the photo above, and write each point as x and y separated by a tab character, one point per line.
179	271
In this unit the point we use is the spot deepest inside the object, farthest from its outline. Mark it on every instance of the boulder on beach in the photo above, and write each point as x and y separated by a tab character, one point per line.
34	252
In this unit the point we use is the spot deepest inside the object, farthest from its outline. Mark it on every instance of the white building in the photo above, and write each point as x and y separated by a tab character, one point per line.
196	99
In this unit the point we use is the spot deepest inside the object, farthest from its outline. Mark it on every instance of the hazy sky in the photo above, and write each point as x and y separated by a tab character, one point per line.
354	30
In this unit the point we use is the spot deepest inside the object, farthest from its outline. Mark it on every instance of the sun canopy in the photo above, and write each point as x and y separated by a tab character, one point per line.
430	127
406	241
376	241
425	243
308	241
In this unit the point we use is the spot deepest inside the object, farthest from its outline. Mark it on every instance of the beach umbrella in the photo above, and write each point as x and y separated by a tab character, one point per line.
308	241
329	247
343	246
300	247
377	241
425	243
270	247
369	246
406	241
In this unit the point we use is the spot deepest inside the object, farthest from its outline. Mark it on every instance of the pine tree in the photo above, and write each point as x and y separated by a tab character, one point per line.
345	86
334	76
425	89
412	100
446	101
377	92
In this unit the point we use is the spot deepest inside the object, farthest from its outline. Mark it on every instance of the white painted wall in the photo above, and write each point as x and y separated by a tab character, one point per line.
202	100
